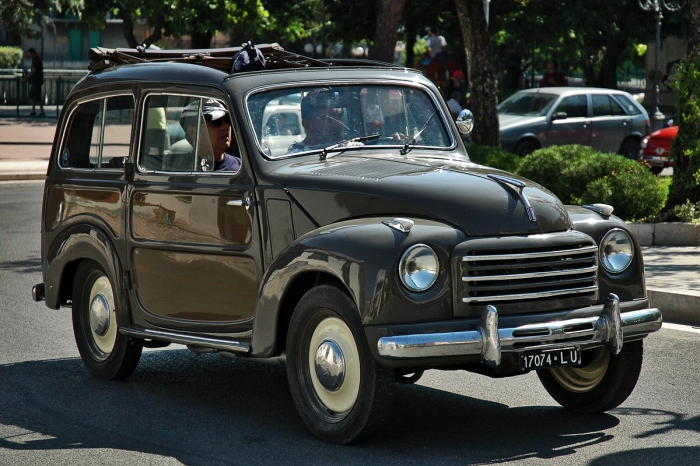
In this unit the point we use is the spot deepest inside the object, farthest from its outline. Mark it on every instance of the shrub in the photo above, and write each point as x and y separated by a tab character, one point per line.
688	212
493	157
581	175
10	57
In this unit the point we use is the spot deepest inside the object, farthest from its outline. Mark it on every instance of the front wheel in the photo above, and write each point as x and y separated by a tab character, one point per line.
601	383
525	147
339	390
106	353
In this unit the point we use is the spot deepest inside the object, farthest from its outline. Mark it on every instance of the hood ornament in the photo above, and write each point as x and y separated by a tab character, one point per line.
516	186
403	225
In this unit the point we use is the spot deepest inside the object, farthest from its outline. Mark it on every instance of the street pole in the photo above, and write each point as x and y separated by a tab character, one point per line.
657	118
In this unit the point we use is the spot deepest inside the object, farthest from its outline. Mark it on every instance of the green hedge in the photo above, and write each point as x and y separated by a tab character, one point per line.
10	57
494	157
581	175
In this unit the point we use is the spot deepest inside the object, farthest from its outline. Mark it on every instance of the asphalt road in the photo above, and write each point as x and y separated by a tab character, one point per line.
178	408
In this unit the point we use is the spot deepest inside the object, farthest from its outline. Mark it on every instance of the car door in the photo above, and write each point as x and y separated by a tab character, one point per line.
193	245
569	122
610	123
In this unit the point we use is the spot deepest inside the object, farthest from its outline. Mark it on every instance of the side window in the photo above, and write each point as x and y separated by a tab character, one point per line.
616	108
601	105
99	134
575	106
82	144
175	135
116	139
627	104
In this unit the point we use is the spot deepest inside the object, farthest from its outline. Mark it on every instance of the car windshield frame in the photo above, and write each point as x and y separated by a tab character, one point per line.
532	95
348	90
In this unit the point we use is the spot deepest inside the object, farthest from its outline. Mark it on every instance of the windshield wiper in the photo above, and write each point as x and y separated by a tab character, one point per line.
413	140
340	146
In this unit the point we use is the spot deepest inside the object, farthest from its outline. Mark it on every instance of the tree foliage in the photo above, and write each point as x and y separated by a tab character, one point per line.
19	16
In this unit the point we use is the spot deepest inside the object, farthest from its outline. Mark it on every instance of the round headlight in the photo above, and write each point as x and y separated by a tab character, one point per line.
419	267
616	250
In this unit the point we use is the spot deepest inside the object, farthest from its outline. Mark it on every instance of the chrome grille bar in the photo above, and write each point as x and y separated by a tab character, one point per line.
522	276
535	295
530	255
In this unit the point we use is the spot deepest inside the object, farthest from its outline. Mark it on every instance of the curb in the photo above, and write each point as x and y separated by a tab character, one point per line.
680	306
666	234
22	176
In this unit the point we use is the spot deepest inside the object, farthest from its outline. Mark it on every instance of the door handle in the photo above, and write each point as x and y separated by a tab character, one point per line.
240	202
624	122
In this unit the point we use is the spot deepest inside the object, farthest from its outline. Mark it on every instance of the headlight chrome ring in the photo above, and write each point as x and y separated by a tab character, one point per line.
616	250
419	267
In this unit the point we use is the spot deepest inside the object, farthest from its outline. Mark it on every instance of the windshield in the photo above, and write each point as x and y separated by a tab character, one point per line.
527	103
300	120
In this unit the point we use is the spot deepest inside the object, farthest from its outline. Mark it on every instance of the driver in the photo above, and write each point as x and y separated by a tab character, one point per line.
322	119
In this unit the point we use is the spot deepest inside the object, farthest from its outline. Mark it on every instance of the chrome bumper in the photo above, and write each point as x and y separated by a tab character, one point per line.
488	341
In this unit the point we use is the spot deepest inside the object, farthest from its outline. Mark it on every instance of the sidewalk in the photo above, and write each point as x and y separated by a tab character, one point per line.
672	273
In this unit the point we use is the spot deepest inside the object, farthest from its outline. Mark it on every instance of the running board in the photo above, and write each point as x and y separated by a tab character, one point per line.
186	339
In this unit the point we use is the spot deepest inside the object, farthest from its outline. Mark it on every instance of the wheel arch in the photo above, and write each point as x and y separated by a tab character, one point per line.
361	257
630	137
68	250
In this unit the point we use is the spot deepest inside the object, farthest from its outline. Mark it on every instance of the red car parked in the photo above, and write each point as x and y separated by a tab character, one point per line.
656	147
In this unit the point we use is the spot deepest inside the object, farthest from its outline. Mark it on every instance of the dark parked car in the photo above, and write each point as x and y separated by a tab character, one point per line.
606	120
657	147
360	243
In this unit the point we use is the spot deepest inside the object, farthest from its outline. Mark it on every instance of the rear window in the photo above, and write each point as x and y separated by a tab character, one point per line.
99	134
627	104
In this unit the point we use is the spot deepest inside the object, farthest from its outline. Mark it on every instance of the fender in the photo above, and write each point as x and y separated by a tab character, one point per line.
85	241
627	284
363	254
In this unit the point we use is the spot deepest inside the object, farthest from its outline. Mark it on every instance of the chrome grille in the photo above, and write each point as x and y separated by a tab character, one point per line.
530	274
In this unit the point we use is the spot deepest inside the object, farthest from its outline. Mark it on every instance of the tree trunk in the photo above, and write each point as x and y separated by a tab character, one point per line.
484	95
411	32
157	31
128	26
693	25
387	30
201	40
607	77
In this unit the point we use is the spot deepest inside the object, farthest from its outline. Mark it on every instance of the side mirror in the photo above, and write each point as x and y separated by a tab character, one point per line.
465	122
559	116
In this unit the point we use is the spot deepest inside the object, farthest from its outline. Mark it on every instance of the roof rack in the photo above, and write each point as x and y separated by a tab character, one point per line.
221	59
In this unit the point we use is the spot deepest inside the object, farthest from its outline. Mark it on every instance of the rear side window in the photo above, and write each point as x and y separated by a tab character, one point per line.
99	134
601	105
627	104
575	106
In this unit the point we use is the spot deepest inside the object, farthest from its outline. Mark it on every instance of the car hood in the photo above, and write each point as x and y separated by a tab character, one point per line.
510	121
665	133
457	192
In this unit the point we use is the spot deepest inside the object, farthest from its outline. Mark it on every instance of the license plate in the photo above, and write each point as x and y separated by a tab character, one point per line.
542	359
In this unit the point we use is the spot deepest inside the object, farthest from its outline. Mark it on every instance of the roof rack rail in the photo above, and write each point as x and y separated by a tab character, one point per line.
221	59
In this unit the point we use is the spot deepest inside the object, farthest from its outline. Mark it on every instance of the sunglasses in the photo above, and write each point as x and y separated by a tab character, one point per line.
219	122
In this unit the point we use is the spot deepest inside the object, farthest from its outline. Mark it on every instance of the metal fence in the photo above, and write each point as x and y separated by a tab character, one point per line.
57	85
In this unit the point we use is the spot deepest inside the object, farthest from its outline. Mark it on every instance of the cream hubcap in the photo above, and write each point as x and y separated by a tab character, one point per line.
334	365
103	320
586	378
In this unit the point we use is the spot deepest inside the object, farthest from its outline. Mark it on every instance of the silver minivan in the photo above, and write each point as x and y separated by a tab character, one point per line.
605	119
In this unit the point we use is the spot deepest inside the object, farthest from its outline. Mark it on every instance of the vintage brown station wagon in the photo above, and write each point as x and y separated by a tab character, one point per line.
338	224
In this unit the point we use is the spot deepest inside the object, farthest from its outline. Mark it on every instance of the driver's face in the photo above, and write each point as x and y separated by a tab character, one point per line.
327	124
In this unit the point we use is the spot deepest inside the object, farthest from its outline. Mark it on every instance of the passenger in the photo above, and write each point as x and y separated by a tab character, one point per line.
219	130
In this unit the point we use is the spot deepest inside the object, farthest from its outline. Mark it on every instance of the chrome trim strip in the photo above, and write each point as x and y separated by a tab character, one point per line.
480	342
530	255
551	273
518	187
535	295
186	339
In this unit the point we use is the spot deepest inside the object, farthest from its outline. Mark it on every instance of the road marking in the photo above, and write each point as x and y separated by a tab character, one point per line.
682	328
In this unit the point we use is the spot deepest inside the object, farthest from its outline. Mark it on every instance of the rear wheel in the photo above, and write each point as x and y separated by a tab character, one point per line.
656	170
105	352
339	390
630	149
601	383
